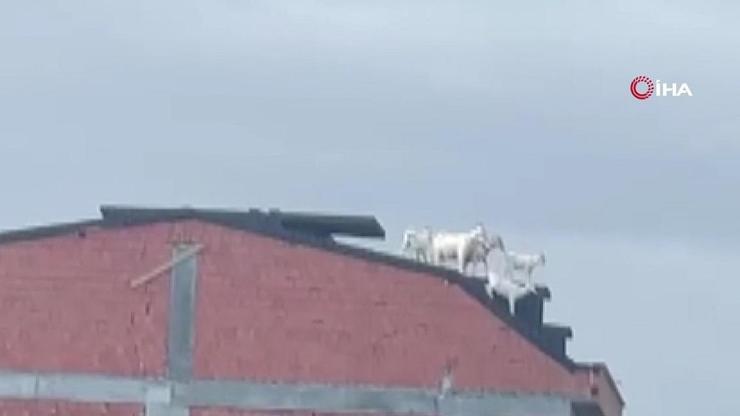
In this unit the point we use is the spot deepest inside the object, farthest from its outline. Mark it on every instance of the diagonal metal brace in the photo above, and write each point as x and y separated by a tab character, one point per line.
146	278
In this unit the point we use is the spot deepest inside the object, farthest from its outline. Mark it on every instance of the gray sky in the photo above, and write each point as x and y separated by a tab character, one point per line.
519	111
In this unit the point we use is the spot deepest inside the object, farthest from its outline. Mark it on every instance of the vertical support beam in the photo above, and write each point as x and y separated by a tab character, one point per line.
181	328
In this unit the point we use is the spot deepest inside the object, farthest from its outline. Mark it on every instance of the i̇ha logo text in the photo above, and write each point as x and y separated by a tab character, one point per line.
642	88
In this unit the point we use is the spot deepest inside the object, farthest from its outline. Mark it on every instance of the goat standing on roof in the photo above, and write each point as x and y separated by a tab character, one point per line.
484	249
524	263
507	287
466	248
418	243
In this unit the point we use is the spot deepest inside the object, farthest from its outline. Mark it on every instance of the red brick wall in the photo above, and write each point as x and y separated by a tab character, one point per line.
271	310
267	310
66	305
59	408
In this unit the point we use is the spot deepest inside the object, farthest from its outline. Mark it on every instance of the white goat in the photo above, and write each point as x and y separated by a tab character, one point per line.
525	263
465	248
418	243
508	288
482	250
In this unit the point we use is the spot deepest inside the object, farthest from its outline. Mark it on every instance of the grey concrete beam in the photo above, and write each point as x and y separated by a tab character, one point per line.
181	324
164	398
154	409
18	385
75	387
354	399
505	405
320	398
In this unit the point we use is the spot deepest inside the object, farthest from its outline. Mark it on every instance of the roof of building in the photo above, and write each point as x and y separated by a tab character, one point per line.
317	225
317	230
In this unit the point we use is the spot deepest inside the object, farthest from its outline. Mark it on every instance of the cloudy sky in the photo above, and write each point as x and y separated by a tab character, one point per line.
421	112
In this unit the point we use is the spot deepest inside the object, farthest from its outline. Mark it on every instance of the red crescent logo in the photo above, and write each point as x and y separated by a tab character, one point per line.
642	79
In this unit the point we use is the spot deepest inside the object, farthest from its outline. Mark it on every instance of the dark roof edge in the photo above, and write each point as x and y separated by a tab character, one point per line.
565	330
45	231
318	224
259	223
